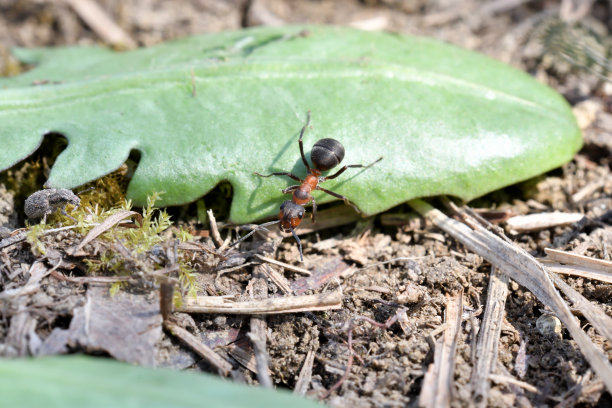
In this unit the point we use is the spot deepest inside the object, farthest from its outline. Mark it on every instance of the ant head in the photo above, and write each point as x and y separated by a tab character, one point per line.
290	215
327	154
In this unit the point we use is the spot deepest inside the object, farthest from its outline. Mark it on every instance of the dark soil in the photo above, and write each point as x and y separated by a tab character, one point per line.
392	361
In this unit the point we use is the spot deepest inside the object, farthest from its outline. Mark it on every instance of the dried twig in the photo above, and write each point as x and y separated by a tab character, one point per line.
488	337
259	327
582	271
525	270
540	221
104	226
437	385
303	381
214	230
287	304
503	379
200	348
284	265
597	317
96	18
580	260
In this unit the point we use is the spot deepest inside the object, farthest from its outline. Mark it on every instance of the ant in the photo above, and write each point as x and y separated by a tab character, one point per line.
325	155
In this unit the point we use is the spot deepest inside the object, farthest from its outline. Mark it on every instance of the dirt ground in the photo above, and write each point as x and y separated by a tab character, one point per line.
390	363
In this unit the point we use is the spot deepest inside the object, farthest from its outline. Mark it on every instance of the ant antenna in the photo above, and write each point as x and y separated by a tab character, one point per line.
86	190
299	243
257	228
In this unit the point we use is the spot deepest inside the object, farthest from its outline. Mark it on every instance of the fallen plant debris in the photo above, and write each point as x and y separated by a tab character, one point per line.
308	352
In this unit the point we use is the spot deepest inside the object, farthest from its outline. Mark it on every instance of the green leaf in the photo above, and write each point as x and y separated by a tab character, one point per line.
219	107
79	381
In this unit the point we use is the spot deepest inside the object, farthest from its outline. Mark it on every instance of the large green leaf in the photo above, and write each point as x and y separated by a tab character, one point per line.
446	120
78	381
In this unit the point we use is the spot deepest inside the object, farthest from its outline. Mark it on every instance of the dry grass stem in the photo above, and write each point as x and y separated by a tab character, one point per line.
580	260
284	265
257	335
303	381
579	271
597	317
536	222
288	304
214	230
278	279
104	226
258	328
437	385
525	270
199	348
488	337
587	191
233	268
503	379
100	22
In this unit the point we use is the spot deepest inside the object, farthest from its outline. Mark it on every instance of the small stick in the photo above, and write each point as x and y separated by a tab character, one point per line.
540	221
525	270
303	381
233	268
597	317
97	19
259	327
199	348
580	260
278	279
284	265
214	230
287	304
579	271
504	379
438	382
488	337
257	335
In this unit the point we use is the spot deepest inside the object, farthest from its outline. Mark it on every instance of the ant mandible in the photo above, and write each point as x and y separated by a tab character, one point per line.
325	155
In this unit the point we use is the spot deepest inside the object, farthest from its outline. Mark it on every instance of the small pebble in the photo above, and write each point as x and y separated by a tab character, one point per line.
549	325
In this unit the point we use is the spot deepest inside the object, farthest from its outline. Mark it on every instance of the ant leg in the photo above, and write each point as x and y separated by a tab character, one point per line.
351	166
302	144
63	211
343	198
258	227
313	215
290	189
299	243
282	173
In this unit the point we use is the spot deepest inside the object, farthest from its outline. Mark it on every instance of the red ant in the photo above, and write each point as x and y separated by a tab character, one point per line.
325	155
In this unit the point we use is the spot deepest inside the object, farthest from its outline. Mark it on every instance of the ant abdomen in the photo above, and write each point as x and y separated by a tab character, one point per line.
326	154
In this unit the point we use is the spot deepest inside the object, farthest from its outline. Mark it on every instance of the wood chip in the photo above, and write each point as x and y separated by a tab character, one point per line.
287	304
536	222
